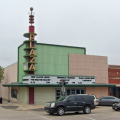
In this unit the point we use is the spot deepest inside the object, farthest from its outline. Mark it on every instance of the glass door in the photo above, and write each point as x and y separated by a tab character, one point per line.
58	94
82	91
69	92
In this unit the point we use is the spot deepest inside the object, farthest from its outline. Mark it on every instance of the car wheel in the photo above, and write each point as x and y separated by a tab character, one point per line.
87	109
60	111
115	108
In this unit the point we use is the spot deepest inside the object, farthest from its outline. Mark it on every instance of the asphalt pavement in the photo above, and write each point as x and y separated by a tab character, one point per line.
17	111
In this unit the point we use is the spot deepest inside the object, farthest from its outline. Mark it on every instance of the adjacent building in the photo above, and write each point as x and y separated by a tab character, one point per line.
114	78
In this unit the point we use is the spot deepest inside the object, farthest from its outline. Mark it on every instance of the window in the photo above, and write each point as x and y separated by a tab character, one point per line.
58	94
68	92
82	91
110	98
79	98
73	92
115	91
104	98
63	98
14	93
72	98
78	91
92	96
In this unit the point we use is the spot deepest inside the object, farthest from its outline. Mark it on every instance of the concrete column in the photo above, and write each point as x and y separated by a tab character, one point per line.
8	93
108	91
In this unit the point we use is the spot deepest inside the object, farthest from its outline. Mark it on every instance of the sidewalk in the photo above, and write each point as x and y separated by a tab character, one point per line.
20	106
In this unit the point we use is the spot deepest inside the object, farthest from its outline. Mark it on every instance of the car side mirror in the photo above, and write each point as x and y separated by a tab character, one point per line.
68	100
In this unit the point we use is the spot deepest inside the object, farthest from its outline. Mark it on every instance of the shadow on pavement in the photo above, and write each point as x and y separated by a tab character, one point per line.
38	109
68	114
10	107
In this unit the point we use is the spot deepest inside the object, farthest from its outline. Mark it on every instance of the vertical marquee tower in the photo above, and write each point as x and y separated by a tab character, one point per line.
30	46
30	54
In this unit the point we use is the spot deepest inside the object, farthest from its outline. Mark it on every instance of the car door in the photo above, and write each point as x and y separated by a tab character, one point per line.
71	104
80	102
110	100
103	101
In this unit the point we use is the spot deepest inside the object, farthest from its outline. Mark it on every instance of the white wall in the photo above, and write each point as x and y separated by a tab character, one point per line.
43	95
23	95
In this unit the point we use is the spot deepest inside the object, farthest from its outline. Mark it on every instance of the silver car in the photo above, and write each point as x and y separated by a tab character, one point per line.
108	100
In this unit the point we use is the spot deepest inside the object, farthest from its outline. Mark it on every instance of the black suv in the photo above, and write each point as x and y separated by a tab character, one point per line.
74	103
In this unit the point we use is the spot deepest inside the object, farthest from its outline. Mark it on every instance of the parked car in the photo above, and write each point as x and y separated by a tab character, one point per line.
116	106
108	100
74	103
95	100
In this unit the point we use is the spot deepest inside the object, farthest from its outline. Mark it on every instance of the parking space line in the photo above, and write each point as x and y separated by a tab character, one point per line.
89	118
40	116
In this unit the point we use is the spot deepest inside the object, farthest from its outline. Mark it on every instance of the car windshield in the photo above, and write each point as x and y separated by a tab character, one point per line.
63	98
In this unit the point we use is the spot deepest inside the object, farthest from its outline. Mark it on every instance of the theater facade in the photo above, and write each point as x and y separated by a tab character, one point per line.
41	66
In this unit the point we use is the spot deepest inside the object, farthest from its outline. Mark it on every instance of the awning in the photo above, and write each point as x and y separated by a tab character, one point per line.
54	85
117	85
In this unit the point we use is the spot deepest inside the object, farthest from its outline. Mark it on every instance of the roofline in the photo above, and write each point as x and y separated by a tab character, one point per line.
11	65
56	45
60	45
20	45
114	65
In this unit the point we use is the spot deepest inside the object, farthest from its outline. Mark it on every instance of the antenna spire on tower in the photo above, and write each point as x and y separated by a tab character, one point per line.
31	16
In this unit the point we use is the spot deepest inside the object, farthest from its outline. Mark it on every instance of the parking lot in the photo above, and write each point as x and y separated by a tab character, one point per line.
100	113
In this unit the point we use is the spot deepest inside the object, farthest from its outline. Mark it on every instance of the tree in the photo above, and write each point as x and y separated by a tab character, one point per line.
1	73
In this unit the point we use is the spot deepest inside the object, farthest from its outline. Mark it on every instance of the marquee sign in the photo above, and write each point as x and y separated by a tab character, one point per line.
29	65
38	79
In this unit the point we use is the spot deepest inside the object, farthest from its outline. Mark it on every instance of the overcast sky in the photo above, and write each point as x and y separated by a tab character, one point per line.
93	24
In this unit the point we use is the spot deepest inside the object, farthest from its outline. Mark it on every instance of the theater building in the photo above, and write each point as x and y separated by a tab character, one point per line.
40	68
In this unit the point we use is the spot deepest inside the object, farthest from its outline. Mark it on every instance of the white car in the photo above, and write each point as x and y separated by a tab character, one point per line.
95	100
